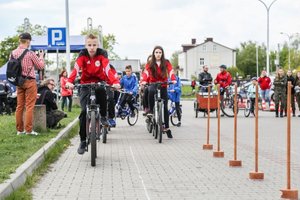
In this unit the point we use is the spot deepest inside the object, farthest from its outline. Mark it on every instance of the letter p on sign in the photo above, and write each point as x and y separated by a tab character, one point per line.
56	37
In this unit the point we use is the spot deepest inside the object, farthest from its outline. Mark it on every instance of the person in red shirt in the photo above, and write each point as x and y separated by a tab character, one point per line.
66	93
224	79
265	84
94	64
158	69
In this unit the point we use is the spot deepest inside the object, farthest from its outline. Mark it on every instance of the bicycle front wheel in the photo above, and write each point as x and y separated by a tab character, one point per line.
247	109
227	107
159	124
133	118
93	139
174	118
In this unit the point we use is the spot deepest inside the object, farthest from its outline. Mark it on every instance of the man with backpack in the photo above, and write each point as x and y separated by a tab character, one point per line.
27	89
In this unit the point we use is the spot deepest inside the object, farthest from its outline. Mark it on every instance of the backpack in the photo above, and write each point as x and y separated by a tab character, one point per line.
14	70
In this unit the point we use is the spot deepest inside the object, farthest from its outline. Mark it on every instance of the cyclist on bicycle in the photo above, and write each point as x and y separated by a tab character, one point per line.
95	68
204	79
158	70
129	83
251	94
224	79
174	93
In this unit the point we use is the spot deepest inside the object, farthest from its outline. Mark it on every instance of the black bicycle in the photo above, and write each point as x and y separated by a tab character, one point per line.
94	127
227	102
155	123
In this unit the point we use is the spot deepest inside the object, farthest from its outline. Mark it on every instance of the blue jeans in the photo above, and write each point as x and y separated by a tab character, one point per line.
265	95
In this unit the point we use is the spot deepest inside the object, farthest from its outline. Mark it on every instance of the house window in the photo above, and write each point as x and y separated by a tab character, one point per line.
201	61
214	47
204	48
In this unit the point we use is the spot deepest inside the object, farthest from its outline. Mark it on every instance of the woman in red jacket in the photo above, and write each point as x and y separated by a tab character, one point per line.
158	70
65	93
265	84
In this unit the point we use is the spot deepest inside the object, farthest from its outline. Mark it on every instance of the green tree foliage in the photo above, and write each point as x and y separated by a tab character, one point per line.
11	43
246	58
174	59
234	71
109	41
6	46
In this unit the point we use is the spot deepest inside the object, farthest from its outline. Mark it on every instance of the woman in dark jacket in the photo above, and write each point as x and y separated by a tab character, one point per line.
290	77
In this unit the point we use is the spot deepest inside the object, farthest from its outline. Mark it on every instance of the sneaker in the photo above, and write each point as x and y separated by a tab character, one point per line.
169	133
179	124
112	122
149	114
20	132
104	121
147	110
81	148
32	133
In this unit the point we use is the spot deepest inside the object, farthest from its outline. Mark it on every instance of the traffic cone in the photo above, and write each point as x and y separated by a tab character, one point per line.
272	106
263	105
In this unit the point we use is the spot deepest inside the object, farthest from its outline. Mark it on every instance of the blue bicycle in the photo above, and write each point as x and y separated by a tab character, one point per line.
125	112
173	114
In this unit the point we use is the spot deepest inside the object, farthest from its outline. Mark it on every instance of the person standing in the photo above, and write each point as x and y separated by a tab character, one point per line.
290	77
204	79
158	70
280	92
27	93
251	93
265	84
297	90
94	63
66	93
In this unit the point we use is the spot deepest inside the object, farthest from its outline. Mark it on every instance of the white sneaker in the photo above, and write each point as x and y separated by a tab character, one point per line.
20	132
32	133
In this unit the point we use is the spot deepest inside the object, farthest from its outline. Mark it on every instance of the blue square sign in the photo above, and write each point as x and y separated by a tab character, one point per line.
56	37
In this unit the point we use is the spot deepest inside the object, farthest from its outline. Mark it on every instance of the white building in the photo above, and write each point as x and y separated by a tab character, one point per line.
194	56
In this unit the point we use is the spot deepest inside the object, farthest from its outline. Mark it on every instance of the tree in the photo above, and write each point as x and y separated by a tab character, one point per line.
11	43
108	42
246	58
174	59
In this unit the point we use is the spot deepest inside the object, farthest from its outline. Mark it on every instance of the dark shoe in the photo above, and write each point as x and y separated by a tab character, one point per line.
65	116
81	148
276	115
281	115
104	121
294	115
179	124
169	133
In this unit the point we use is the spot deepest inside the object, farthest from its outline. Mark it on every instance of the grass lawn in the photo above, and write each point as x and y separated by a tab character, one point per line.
15	150
187	92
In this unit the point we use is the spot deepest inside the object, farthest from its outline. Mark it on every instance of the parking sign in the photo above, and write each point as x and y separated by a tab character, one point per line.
56	37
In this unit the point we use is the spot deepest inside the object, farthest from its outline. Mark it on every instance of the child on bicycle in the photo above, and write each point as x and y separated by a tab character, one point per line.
94	64
251	93
129	83
174	93
158	70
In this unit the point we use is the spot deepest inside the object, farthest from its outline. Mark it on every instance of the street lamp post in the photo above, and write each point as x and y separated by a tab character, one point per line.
100	36
268	50
26	25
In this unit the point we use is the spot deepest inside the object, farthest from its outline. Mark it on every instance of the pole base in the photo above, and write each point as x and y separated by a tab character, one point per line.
235	163
289	194
219	154
207	147
256	175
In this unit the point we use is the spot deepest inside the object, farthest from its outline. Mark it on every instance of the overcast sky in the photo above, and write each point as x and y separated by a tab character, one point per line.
139	25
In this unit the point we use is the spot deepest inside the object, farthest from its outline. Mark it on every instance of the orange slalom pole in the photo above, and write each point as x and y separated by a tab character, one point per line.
289	193
235	162
218	153
256	175
208	146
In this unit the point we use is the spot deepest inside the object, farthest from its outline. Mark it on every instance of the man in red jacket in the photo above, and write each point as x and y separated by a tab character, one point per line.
265	84
223	78
94	64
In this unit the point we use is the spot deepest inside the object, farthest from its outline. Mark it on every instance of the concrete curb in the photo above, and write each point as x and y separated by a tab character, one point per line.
18	178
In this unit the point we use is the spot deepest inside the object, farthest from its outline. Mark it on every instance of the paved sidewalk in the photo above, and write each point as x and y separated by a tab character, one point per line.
132	165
